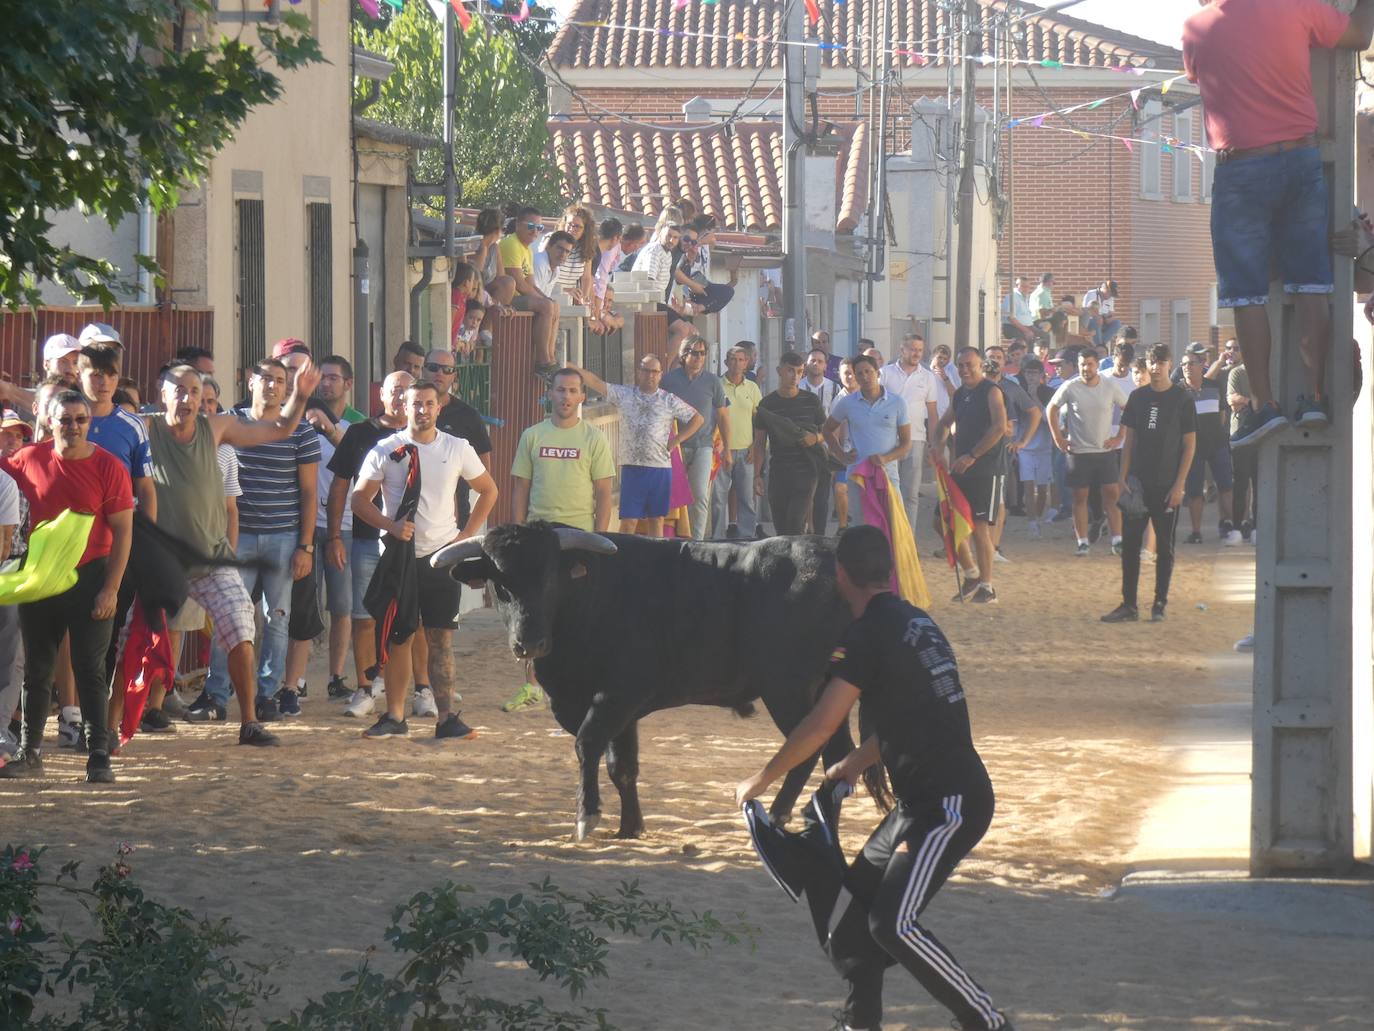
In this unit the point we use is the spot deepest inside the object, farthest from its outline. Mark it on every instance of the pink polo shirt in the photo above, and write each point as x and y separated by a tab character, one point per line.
1252	61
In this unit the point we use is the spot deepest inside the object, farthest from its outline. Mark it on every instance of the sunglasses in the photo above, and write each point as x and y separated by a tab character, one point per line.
437	367
538	227
696	354
73	420
651	372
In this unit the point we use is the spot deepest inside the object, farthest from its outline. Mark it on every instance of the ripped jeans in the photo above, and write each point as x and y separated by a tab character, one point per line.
273	581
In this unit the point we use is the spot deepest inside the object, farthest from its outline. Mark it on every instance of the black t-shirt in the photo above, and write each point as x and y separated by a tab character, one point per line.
912	698
1209	401
358	440
1158	419
971	423
462	420
805	410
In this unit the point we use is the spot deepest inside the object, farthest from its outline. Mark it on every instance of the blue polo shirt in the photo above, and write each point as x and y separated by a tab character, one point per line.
872	425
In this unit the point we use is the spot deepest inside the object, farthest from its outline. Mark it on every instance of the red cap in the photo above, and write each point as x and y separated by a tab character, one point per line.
289	346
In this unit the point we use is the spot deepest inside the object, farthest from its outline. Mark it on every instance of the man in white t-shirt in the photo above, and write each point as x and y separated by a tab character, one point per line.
1105	299
1089	444
443	460
546	262
920	389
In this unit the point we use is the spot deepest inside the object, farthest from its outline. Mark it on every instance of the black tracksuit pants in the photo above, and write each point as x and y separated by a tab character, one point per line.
791	491
42	624
1165	521
890	882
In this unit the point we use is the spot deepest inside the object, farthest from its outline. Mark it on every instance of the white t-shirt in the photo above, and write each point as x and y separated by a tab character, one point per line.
827	390
546	278
1106	304
443	462
9	500
915	389
1128	384
1088	411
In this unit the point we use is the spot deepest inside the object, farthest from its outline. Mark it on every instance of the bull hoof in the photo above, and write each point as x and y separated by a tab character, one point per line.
629	833
586	825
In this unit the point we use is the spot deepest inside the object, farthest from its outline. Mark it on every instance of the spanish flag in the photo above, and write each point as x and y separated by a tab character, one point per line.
956	517
882	507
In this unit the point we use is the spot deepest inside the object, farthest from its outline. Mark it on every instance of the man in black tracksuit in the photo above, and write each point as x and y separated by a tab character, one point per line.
1160	438
896	659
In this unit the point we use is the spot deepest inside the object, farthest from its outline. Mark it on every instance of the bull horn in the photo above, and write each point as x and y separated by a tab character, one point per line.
570	539
460	551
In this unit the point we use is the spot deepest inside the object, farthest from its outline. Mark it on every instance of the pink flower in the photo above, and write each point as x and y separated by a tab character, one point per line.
15	925
22	863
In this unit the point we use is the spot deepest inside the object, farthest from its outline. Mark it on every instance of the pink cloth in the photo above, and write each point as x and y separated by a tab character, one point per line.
681	493
875	504
1251	60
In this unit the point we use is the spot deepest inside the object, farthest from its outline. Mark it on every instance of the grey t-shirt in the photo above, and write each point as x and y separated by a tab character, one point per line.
704	393
1089	411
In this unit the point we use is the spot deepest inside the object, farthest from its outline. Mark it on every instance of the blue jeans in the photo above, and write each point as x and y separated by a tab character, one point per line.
1267	209
1059	465
698	463
273	551
740	474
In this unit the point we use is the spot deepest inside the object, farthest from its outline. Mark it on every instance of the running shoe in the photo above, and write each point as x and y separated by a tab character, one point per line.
69	730
288	702
530	696
302	689
1117	547
361	704
1247	531
22	764
985	595
1051	514
98	769
257	735
1033	530
775	852
967	590
1082	550
265	709
1233	539
1255	426
1123	613
997	556
1245	644
1311	414
1157	612
452	726
732	532
155	721
337	688
1193	538
387	726
204	710
423	703
9	743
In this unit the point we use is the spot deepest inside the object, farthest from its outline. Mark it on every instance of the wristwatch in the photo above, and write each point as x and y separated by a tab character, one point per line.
309	549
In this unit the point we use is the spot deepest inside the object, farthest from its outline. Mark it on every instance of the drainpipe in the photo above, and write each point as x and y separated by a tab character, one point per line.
147	245
416	292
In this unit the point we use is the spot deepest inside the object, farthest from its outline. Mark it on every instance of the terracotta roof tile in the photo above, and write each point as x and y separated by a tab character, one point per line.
727	34
734	176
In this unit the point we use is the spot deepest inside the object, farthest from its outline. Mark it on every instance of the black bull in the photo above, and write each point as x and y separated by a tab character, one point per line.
619	627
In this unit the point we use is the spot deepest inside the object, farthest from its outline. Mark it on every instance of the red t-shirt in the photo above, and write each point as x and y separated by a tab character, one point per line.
98	484
1252	62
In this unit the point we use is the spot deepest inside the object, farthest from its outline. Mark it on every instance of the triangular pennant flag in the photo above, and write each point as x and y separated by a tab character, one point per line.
1038	121
437	7
1096	104
1049	63
1135	98
1168	149
370	8
524	12
1165	87
1128	145
394	3
679	4
813	13
464	18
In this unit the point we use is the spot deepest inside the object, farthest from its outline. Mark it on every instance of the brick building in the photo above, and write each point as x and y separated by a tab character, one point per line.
1083	207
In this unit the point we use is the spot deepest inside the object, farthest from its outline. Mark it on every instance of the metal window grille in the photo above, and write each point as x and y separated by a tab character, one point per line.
252	283
320	253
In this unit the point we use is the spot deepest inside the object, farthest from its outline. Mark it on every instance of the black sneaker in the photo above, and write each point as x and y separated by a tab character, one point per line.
968	590
337	688
387	726
1247	530
985	595
760	534
452	726
1255	426
1225	527
1123	613
732	532
155	721
288	702
22	764
774	851
303	689
265	709
1193	538
204	710
98	769
258	735
1157	612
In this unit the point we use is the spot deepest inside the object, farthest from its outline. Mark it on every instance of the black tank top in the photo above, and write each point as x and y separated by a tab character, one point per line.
971	423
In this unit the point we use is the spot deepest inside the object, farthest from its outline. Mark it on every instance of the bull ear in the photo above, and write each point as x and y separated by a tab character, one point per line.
474	572
572	539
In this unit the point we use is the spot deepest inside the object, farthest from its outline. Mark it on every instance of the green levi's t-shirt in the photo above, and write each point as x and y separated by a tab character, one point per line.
561	466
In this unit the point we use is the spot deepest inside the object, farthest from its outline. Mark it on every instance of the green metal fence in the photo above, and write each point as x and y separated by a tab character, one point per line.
473	383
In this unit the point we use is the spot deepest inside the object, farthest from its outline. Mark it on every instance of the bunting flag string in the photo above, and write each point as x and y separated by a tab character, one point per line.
1168	144
1091	105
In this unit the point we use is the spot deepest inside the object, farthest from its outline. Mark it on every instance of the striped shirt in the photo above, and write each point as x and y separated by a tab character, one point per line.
271	500
124	436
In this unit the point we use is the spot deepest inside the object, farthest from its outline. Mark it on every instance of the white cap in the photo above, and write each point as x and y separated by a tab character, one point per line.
100	333
59	344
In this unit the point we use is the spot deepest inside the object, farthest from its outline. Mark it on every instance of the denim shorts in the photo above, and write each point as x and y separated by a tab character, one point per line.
1266	211
338	583
362	562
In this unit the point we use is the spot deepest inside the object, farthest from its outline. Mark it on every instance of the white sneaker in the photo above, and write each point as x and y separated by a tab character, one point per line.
1245	644
1049	515
997	556
361	704
9	744
422	704
1146	555
69	727
1233	539
1033	530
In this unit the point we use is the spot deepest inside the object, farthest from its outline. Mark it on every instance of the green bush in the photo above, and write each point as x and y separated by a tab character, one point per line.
157	967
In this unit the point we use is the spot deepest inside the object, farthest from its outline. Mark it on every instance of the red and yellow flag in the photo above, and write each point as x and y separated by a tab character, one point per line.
956	517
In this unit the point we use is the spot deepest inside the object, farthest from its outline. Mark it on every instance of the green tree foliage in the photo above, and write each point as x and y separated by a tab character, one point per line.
500	112
96	99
